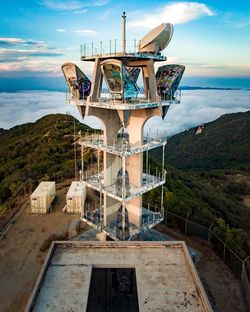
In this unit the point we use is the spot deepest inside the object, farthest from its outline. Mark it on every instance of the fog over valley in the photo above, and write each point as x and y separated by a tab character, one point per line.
196	107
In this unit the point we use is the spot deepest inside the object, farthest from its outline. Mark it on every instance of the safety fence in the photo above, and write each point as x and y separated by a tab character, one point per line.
240	267
12	206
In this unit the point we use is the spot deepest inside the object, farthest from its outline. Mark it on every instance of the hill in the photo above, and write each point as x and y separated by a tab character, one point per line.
37	150
208	177
43	149
223	144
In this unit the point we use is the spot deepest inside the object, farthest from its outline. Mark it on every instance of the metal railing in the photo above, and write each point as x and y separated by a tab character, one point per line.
240	267
113	48
121	146
149	182
106	101
93	215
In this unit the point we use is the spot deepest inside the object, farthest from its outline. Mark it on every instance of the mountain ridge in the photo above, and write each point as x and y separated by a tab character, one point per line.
223	144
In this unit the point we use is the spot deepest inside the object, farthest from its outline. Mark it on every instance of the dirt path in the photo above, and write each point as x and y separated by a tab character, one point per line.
22	251
221	285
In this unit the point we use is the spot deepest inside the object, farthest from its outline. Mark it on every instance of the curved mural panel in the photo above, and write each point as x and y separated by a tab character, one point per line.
77	81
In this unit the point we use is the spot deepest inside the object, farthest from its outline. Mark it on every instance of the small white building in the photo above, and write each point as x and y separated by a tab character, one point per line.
75	198
42	197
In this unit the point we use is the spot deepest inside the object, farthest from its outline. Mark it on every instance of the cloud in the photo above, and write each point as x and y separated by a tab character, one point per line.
27	67
61	30
18	54
8	54
37	68
217	70
85	32
71	5
198	107
22	107
9	42
175	13
80	11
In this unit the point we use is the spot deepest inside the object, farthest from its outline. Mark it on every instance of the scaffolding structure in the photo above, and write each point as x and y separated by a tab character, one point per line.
123	112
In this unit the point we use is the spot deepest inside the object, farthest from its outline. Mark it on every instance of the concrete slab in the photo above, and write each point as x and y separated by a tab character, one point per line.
165	275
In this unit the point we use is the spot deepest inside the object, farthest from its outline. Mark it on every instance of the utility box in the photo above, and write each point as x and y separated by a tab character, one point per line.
75	198
42	198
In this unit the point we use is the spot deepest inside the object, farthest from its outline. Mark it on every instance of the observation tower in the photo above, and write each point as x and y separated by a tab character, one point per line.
123	111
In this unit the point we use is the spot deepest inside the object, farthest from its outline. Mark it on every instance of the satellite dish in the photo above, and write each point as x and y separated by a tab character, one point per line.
157	39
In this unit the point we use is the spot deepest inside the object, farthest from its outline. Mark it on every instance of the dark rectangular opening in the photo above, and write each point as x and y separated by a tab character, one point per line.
113	289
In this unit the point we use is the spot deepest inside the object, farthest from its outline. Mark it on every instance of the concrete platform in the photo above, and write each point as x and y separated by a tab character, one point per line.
166	279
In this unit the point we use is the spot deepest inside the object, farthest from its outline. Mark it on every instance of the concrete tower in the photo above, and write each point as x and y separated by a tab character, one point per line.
123	114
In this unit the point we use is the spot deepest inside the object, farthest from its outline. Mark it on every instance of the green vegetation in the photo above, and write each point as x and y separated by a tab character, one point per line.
236	238
38	151
208	186
212	177
200	199
224	144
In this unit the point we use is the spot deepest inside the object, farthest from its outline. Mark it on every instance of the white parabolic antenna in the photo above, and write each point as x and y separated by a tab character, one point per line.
157	39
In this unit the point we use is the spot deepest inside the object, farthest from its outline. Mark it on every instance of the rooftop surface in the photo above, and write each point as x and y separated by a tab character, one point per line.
43	188
76	189
166	279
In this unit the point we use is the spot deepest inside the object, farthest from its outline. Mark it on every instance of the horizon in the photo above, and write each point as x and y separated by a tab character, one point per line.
14	84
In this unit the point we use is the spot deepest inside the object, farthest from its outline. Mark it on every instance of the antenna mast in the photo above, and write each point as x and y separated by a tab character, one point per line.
124	32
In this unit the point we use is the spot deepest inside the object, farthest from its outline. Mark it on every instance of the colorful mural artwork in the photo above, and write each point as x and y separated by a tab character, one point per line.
77	81
168	78
119	80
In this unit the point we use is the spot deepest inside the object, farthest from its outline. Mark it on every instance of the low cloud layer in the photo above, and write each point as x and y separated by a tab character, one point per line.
28	106
197	107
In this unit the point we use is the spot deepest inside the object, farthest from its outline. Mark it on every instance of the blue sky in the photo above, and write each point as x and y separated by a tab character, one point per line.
211	38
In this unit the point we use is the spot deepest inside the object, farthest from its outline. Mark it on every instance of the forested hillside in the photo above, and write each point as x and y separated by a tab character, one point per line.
209	175
37	150
45	148
222	144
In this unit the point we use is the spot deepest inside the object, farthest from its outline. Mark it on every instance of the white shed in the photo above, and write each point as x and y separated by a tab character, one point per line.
75	198
42	197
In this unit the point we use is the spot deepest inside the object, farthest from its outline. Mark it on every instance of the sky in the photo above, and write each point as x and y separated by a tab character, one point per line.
211	38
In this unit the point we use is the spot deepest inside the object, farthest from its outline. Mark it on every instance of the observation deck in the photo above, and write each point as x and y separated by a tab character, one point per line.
139	103
149	219
90	51
124	56
114	191
125	149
